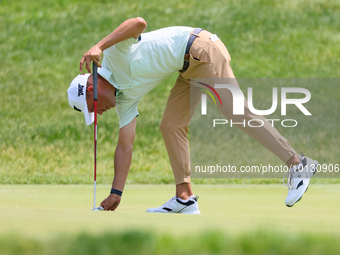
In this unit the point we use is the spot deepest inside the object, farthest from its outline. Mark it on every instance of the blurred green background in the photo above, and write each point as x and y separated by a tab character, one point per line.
43	140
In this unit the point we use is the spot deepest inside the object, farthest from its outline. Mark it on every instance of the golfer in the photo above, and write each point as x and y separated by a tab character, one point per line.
134	63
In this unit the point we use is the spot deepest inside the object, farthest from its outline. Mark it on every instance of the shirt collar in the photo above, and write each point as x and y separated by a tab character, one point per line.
106	74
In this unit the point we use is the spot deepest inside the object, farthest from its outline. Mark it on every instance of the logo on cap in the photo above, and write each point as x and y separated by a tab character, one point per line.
80	90
75	108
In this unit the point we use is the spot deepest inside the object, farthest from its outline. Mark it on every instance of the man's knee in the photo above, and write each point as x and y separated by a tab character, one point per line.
165	126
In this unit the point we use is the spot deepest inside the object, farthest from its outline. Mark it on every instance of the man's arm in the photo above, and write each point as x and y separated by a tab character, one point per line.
122	163
128	29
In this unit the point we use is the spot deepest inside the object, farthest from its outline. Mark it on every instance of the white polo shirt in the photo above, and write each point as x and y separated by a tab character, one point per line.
136	67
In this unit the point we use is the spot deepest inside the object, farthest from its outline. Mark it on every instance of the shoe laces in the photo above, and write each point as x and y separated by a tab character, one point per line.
289	176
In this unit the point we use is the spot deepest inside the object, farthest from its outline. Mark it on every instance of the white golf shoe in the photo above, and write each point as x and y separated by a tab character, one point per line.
298	179
175	205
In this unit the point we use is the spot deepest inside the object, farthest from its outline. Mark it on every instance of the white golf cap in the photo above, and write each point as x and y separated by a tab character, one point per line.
77	96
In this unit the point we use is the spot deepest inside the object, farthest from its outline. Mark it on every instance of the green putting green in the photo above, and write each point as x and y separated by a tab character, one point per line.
43	211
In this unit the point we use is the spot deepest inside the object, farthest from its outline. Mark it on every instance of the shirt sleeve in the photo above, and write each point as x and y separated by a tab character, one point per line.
126	108
126	44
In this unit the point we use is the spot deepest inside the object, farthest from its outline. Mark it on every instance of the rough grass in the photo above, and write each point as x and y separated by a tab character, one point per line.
41	42
144	242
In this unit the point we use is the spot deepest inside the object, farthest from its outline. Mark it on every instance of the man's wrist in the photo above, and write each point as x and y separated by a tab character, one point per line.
116	191
100	45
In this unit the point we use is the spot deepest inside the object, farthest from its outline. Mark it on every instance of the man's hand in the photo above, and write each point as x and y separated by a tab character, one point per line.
94	54
111	202
129	28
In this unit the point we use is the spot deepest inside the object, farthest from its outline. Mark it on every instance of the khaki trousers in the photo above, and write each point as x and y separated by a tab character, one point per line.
209	60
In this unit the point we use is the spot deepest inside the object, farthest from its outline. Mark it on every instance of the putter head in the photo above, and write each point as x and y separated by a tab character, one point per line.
99	208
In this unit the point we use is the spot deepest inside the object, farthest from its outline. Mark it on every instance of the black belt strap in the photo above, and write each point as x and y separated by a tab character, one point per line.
192	38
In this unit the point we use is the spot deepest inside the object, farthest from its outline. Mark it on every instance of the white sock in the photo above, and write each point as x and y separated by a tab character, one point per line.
185	200
182	200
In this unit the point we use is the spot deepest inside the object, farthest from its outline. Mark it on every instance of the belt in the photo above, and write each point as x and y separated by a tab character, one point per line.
192	38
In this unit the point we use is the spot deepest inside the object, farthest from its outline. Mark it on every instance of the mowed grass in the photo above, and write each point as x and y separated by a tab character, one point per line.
236	219
44	141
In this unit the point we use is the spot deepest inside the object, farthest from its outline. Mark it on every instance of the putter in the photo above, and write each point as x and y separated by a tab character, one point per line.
95	76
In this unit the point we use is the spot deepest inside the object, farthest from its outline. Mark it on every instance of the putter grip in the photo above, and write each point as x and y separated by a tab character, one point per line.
95	77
